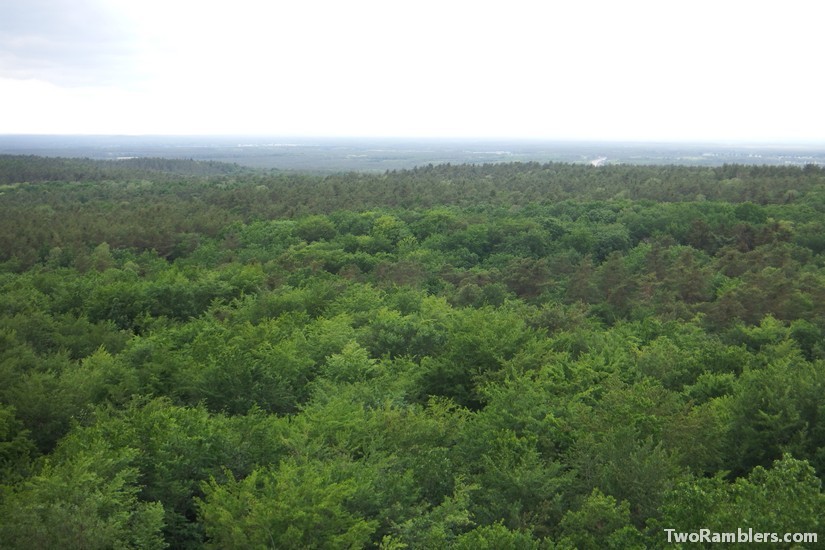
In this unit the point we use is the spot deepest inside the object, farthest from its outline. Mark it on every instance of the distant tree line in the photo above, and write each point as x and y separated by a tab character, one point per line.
34	169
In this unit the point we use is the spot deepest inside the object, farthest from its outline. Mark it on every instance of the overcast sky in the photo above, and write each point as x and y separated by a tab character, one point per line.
579	69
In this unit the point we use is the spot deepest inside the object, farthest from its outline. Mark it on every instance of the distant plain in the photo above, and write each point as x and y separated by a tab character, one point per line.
326	155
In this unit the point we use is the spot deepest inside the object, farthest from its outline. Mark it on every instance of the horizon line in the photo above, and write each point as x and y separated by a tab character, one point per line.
456	138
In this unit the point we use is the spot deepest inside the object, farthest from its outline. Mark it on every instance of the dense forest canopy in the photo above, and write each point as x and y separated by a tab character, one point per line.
514	355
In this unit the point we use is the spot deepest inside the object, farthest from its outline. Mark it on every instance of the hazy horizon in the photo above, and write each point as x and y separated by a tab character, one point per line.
332	154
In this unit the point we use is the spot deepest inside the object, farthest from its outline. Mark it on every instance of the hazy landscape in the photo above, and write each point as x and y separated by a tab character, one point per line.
381	154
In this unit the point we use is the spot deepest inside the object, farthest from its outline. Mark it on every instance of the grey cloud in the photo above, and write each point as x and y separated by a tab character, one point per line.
69	43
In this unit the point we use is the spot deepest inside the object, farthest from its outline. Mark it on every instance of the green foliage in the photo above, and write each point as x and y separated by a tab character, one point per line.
16	448
83	497
491	537
292	506
600	522
776	409
498	356
315	228
438	527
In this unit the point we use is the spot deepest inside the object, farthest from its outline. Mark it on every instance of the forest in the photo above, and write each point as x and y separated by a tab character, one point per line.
515	355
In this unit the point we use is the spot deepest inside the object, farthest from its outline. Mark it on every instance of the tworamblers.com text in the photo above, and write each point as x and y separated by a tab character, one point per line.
741	535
